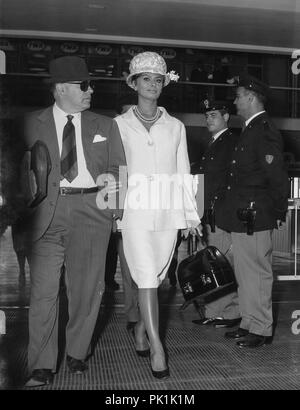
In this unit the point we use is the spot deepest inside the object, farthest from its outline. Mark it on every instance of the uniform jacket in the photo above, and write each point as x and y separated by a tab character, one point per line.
150	156
257	173
214	165
101	157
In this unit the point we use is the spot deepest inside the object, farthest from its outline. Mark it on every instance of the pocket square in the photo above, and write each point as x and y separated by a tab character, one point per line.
99	138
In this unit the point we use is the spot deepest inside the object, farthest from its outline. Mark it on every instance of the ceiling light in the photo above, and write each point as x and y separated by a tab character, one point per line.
96	6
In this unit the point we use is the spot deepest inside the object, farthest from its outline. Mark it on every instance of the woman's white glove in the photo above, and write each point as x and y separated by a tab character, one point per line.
191	231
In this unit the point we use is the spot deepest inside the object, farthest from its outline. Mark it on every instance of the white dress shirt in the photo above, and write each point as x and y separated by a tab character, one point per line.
84	178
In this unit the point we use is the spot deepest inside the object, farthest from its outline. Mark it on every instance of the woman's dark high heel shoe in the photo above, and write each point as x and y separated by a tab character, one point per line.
161	374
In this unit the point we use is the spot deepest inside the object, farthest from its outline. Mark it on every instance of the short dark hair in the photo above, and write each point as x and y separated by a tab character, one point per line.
261	98
136	76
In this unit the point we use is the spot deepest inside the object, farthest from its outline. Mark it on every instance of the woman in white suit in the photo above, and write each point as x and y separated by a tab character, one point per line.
159	199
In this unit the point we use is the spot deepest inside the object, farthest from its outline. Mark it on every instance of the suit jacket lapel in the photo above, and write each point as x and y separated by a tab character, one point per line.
88	131
49	135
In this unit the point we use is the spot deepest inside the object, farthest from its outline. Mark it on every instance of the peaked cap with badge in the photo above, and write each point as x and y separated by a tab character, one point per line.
211	105
254	84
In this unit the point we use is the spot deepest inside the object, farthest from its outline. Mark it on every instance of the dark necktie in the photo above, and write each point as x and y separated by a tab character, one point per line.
210	142
68	160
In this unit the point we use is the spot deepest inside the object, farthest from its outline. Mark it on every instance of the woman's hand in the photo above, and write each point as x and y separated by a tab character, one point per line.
185	233
280	224
191	231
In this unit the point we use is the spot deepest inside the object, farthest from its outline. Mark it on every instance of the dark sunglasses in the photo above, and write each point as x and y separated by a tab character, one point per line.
84	85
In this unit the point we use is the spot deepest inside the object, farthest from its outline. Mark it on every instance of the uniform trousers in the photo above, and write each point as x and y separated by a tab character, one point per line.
226	307
253	269
77	237
252	260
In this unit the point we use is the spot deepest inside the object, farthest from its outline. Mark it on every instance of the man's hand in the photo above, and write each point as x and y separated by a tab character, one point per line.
106	196
108	181
115	226
280	224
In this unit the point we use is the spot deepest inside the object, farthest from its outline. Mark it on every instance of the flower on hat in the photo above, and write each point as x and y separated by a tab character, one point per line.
173	76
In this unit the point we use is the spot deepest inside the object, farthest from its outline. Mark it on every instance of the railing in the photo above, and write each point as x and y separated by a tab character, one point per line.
28	89
294	204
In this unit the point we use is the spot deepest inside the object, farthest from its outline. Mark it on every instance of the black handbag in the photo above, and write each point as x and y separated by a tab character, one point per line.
205	276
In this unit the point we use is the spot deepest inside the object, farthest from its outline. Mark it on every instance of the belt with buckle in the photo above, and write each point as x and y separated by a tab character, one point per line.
73	191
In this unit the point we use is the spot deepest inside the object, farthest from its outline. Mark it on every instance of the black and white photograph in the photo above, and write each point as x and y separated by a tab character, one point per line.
149	198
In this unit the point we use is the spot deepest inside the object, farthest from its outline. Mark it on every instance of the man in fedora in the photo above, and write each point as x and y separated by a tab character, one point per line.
67	228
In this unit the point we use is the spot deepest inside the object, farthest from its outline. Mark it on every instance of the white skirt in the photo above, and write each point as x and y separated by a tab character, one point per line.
148	255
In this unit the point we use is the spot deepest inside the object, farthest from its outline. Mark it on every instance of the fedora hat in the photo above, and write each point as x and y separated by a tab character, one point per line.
150	62
68	68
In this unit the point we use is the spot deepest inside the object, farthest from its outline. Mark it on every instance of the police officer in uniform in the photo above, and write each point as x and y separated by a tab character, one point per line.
224	312
255	203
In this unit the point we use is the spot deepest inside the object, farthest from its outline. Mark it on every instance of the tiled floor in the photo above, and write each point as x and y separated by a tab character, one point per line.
200	358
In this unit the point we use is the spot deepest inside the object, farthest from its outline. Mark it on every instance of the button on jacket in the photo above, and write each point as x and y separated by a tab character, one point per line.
215	164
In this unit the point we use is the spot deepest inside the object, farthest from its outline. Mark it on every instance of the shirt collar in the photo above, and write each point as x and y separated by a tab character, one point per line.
216	136
253	116
62	114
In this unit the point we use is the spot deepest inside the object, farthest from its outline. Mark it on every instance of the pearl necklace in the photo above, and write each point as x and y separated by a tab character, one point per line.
144	119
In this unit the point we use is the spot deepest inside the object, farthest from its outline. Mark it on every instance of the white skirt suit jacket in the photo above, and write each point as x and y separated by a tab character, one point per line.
160	198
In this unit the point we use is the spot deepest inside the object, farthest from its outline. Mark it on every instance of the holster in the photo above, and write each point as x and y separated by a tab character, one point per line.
209	218
248	217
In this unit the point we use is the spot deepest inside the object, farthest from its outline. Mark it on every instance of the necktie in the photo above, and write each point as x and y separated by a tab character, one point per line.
210	142
68	160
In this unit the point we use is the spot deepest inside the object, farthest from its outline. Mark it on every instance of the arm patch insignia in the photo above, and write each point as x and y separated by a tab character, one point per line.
269	158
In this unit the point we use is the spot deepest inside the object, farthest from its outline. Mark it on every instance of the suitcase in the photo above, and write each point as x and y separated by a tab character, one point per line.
205	276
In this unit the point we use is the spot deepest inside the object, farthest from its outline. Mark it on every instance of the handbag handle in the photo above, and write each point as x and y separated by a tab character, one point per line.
195	243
